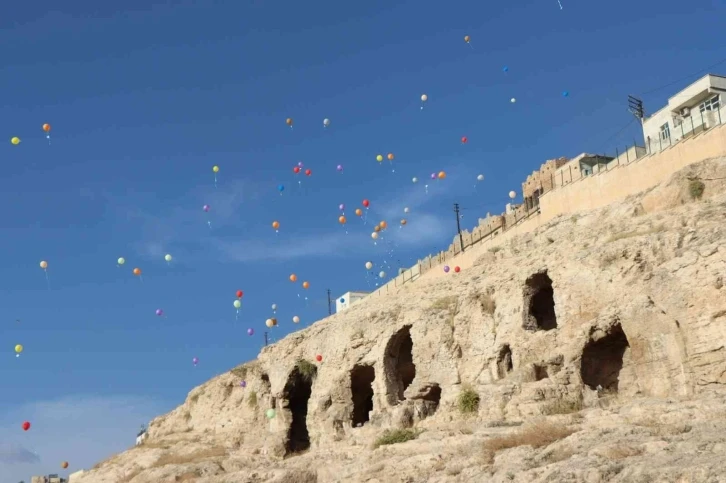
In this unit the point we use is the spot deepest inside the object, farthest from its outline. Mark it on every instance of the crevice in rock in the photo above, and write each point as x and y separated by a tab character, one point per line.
398	366
361	388
297	392
602	360
504	362
539	303
540	372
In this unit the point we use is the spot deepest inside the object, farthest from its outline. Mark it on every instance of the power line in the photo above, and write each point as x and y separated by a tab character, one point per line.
684	77
330	307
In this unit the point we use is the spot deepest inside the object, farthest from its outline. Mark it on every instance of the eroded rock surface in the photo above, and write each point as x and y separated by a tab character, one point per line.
605	330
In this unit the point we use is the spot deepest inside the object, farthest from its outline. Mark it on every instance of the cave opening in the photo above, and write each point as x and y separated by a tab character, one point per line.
361	388
539	304
297	392
602	360
399	367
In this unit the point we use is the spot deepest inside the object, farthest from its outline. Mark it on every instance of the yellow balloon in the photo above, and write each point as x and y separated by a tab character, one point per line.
215	169
379	158
15	140
18	348
43	264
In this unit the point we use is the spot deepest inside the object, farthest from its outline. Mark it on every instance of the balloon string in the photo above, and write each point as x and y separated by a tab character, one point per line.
215	181
47	280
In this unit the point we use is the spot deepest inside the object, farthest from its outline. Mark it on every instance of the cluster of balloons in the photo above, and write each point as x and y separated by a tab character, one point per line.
457	269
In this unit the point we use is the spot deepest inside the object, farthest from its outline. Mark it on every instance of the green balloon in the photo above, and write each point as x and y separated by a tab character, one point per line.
270	413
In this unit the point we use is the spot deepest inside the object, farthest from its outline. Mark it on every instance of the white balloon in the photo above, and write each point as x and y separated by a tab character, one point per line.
415	180
512	194
480	177
382	275
296	319
274	306
406	210
513	100
424	98
326	122
374	235
269	323
237	304
369	265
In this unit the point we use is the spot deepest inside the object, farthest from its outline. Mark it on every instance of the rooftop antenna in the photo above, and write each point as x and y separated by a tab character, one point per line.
635	106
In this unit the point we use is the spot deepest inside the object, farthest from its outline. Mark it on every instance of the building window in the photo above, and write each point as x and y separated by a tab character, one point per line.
665	131
712	104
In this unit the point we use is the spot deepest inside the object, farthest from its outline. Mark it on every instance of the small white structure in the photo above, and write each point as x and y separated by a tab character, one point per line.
348	299
692	110
141	436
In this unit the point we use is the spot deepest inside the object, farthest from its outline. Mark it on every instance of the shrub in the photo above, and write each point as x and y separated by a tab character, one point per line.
536	435
394	436
468	401
252	399
307	369
696	189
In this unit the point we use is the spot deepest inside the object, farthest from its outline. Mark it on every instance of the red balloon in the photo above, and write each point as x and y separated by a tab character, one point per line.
240	293
308	172
464	140
366	203
296	169
457	269
26	426
319	358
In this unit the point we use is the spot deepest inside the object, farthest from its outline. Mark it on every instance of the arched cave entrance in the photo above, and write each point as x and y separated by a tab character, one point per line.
361	388
297	392
602	360
504	362
399	368
539	303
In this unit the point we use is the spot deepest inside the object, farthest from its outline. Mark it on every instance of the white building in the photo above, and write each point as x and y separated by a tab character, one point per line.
348	299
694	109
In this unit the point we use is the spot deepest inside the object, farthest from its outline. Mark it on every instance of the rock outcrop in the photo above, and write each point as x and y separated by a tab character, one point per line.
602	334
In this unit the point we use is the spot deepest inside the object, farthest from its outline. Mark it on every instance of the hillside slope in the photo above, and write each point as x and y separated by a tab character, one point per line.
593	349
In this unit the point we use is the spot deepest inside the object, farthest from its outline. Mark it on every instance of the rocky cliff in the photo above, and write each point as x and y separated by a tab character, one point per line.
593	349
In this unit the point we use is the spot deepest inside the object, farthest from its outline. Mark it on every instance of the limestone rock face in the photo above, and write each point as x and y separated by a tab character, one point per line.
609	324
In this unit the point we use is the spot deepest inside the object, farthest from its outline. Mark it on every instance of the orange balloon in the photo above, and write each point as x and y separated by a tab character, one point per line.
359	212
46	127
64	465
377	228
137	271
383	225
288	121
403	222
293	278
390	156
442	175
341	219
306	285
466	39
275	225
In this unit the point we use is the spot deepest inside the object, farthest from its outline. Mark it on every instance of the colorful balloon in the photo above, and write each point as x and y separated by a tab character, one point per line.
137	271
359	212
46	127
366	203
467	38
167	257
43	264
379	158
446	269
382	274
369	265
377	228
403	221
383	225
215	169
280	188
159	312
319	358
340	168
237	304
250	331
390	156
275	225
269	323
424	98
19	348
505	69
341	220
512	100
15	140
512	194
308	172
457	269
239	294
414	179
296	169
480	177
274	307
270	413
205	208
326	122
442	174
464	140
195	361
64	465
565	94
306	285
243	383
374	235
288	121
26	426
341	207
406	210
296	319
121	260
293	278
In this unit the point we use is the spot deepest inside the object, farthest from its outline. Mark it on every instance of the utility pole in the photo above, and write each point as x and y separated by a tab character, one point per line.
265	339
458	226
330	307
635	106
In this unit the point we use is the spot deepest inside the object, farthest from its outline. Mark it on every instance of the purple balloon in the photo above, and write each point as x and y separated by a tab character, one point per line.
341	207
159	312
433	175
446	268
299	163
340	167
243	383
250	331
195	360
205	207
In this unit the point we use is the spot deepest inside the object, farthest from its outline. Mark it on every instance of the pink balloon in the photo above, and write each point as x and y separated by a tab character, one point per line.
205	207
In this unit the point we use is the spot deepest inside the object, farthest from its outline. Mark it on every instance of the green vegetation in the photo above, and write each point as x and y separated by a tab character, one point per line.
307	369
696	189
468	401
252	399
394	436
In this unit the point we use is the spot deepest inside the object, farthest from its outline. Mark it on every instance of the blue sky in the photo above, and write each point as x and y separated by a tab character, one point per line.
144	101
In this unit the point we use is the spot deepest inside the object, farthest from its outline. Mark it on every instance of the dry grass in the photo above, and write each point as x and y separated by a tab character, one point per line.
252	399
634	233
156	444
131	475
445	303
537	435
193	457
560	453
395	436
621	452
658	428
562	406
